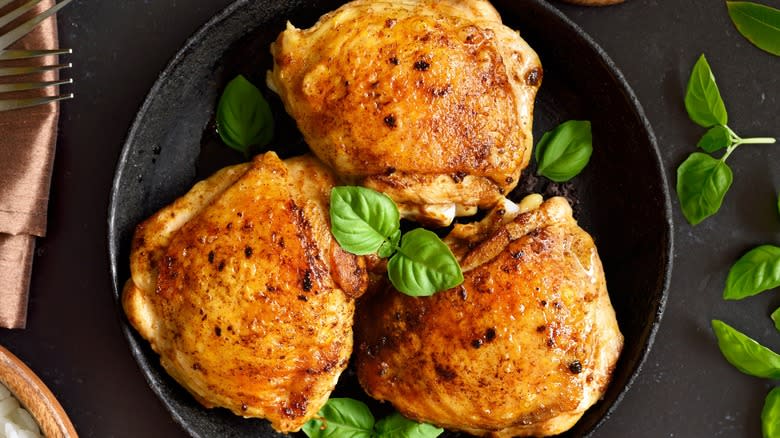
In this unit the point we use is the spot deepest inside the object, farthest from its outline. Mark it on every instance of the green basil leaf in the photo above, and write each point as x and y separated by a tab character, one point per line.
716	138
396	426
702	98
243	116
758	23
702	183
362	219
341	418
745	354
776	318
562	153
390	245
423	265
770	415
542	141
753	273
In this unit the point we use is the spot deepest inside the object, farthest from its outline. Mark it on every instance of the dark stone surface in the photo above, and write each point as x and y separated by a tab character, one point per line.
74	339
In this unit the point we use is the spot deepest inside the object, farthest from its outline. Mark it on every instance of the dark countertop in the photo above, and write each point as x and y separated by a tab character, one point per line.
686	389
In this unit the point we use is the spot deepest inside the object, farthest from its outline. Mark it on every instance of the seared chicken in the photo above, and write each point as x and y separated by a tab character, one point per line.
522	348
428	101
241	289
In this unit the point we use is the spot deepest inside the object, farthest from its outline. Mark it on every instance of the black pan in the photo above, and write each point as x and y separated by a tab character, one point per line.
621	198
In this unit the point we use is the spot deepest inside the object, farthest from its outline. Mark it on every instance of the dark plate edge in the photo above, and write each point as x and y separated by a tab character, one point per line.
639	111
113	249
123	157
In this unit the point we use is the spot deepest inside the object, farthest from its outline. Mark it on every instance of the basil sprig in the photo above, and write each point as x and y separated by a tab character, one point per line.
398	426
343	417
244	118
423	264
562	153
702	183
703	180
753	273
758	23
702	97
716	138
348	418
770	415
364	221
752	358
746	354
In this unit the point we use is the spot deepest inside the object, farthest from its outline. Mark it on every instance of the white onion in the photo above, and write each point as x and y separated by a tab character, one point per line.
8	406
15	421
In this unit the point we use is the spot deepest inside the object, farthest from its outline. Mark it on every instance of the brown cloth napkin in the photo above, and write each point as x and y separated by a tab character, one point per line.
27	140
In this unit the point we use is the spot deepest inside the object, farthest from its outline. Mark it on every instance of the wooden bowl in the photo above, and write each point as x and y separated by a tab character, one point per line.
34	396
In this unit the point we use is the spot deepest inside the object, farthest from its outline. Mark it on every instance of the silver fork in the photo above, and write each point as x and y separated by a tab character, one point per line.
14	34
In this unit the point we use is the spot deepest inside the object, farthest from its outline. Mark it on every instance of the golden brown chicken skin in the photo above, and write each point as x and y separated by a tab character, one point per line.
241	289
430	102
522	348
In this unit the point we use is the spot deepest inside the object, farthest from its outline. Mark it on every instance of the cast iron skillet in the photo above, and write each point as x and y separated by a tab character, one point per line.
622	197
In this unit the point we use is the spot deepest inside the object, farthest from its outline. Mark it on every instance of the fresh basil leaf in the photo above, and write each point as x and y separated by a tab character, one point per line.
770	415
562	153
702	98
716	138
341	418
423	265
745	354
758	23
397	426
753	273
243	116
542	141
362	219
702	183
390	245
776	318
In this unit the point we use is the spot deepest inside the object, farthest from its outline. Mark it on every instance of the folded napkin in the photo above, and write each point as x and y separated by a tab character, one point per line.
27	140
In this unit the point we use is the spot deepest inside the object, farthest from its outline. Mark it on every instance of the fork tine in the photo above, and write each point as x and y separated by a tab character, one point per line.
10	104
18	12
13	71
24	28
22	86
25	54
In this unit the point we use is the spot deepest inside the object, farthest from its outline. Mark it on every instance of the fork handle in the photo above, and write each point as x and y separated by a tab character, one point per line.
11	104
26	54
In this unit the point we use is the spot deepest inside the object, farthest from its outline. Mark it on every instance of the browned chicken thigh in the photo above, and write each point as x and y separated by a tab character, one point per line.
522	348
241	289
428	101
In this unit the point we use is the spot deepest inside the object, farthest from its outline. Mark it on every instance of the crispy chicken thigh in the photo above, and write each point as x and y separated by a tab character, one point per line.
241	289
430	102
522	348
